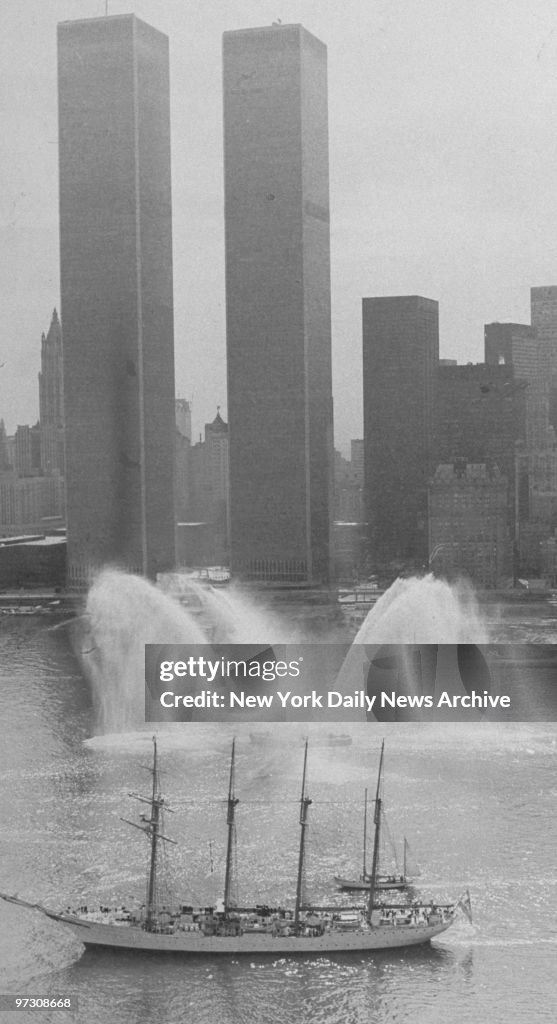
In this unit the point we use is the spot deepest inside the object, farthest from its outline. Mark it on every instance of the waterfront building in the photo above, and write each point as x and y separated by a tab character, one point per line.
357	460
182	472
481	416
278	304
349	485
468	529
543	312
116	286
5	463
209	492
400	359
27	450
518	347
26	501
532	354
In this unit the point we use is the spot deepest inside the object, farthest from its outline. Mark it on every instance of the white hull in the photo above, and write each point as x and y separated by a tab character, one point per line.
386	936
361	885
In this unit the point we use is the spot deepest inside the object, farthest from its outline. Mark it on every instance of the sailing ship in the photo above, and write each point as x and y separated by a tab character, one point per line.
232	930
387	880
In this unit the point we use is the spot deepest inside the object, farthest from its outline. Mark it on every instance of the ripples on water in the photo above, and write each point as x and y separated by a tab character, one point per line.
477	802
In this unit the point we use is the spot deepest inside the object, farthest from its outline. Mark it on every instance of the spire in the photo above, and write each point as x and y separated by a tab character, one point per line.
55	329
218	423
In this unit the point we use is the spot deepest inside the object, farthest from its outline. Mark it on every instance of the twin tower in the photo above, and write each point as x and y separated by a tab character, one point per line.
117	304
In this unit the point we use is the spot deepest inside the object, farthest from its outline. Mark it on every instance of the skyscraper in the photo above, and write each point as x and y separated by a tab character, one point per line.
481	417
543	312
400	357
519	348
543	309
278	303
51	399
468	523
116	282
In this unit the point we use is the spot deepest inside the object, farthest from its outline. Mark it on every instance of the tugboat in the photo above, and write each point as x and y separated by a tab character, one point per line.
231	930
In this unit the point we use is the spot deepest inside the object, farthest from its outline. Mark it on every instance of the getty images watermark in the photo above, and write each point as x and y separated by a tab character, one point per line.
350	683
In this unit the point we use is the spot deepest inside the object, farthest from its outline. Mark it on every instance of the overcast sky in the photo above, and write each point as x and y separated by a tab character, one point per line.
443	165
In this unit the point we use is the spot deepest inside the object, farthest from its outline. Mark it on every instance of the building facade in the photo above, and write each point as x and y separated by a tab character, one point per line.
116	286
543	313
5	462
469	534
518	347
278	303
183	417
27	450
26	502
400	360
482	418
209	502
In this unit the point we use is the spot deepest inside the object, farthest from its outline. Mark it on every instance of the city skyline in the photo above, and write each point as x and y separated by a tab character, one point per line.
440	177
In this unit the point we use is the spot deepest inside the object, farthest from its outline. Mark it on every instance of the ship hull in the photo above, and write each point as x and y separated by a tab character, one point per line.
358	884
252	944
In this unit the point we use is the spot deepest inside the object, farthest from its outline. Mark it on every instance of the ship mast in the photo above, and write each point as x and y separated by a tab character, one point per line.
365	836
232	801
377	836
151	828
304	804
155	822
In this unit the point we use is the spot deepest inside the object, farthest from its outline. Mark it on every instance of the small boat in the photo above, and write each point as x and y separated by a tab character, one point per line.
389	880
218	576
334	739
260	739
232	930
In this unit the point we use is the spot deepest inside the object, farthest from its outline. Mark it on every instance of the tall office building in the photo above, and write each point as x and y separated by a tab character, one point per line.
51	399
468	523
520	348
543	309
116	281
543	312
482	415
278	303
400	359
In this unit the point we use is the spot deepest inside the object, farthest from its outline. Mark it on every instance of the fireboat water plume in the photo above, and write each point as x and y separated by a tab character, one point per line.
424	611
123	613
419	629
235	617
